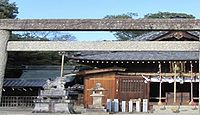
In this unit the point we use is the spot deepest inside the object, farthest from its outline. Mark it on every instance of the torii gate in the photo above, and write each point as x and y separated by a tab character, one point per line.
8	25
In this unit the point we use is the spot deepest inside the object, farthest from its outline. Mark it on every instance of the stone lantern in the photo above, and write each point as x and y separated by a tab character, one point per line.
97	95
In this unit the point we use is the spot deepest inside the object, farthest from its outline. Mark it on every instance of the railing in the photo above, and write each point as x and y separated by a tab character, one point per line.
17	101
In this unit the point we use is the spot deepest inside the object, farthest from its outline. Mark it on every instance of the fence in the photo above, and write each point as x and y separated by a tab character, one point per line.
17	101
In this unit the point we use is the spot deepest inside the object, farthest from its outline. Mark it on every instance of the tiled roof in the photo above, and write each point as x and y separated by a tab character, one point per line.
36	76
156	34
43	73
195	33
23	83
150	36
142	56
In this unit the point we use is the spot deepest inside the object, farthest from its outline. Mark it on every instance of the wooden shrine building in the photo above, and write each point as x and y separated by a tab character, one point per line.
164	77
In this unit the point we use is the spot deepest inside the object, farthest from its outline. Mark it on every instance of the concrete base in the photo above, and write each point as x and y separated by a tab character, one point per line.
175	109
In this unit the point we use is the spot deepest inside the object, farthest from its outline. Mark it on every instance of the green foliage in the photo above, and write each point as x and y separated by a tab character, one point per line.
127	35
27	37
36	58
122	16
124	35
61	36
130	35
8	10
31	58
43	36
167	15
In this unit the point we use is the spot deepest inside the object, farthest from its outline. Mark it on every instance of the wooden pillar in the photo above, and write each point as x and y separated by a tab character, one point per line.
160	86
4	37
191	87
175	82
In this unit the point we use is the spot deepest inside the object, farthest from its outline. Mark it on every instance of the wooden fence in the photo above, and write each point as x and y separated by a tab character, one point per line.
17	101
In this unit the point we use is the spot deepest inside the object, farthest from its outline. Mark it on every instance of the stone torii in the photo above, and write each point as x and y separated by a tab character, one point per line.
9	25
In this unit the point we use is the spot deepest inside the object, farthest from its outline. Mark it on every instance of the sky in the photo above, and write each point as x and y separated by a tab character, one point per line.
97	9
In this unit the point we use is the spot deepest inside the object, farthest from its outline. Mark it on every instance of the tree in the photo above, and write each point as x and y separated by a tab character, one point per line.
167	15
128	15
37	58
124	35
8	10
130	35
44	36
61	36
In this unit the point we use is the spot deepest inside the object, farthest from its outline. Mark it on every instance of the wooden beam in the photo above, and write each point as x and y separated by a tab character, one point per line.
103	46
99	24
94	71
162	74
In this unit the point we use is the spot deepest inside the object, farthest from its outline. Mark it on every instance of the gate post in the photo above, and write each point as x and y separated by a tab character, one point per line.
4	37
199	73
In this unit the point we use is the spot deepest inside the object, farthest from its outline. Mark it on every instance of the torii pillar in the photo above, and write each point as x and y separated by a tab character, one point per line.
199	77
4	37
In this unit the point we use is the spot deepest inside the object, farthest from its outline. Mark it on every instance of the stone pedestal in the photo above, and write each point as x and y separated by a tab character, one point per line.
41	107
97	100
62	107
52	106
53	99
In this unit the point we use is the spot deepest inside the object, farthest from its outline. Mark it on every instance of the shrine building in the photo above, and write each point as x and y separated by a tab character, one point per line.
162	77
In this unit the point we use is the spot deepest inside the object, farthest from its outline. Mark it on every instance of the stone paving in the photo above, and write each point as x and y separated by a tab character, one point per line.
21	111
29	113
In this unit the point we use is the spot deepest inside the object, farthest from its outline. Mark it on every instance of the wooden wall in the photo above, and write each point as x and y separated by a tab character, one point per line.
132	87
108	82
